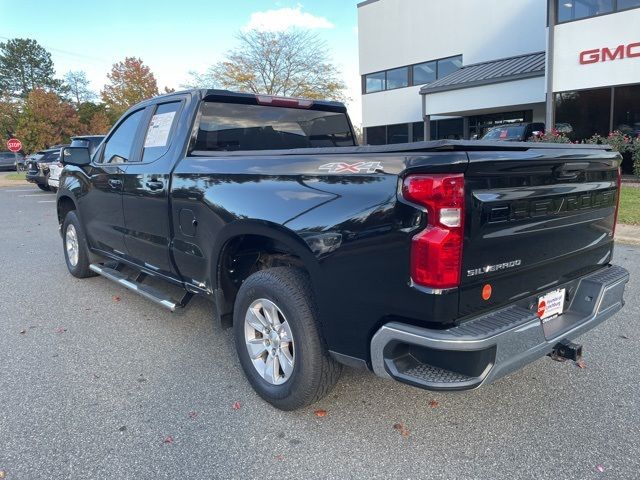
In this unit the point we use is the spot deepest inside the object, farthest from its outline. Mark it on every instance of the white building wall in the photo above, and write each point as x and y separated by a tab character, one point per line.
394	33
487	97
622	28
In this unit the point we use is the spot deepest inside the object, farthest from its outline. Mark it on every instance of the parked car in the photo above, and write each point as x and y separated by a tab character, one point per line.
38	166
8	160
514	132
55	169
444	265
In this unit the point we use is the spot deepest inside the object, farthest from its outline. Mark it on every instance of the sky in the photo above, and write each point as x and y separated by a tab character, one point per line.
173	39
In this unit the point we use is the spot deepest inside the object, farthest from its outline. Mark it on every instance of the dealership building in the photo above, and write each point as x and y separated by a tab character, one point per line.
434	69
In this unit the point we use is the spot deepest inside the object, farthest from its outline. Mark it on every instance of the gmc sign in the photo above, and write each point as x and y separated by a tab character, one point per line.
607	54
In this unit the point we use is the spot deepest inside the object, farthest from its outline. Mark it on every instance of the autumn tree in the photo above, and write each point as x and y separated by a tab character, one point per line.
46	119
130	82
77	86
94	118
291	63
24	66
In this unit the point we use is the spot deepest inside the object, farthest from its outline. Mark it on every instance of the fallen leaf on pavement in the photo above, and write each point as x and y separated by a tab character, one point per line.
116	298
23	331
581	364
168	439
236	405
624	337
193	415
404	431
433	404
3	474
600	468
60	330
280	457
320	413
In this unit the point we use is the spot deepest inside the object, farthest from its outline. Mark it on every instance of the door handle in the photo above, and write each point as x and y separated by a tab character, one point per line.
115	183
154	185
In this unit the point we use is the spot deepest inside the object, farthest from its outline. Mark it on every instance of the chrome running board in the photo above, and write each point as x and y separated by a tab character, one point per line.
146	291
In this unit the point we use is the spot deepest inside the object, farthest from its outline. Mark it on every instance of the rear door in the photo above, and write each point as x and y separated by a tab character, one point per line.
535	219
146	190
101	210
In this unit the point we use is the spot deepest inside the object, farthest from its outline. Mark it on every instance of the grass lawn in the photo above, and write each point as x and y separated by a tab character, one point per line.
629	206
16	176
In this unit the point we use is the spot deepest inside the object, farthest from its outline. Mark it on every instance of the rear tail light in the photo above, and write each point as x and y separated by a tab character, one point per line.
436	252
615	217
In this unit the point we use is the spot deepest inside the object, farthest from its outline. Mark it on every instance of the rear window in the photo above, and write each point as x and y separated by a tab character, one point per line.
230	127
505	133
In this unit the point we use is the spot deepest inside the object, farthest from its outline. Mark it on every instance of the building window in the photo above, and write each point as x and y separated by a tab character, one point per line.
418	74
375	82
376	135
418	132
450	129
424	73
398	133
397	78
449	65
581	114
626	110
626	4
569	10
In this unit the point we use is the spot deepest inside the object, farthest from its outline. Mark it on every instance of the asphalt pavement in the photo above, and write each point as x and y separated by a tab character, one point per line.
97	383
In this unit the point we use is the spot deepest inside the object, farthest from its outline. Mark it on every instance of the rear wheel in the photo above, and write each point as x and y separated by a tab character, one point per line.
76	251
278	340
43	187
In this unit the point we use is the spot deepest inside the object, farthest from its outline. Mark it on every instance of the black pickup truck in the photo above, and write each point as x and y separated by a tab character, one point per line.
443	264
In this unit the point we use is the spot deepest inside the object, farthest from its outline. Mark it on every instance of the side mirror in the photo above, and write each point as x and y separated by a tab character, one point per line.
78	156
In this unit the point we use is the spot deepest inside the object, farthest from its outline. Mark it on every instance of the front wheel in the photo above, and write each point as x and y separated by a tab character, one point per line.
43	187
278	339
76	251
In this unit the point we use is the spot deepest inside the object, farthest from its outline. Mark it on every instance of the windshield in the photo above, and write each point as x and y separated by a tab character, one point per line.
505	132
230	126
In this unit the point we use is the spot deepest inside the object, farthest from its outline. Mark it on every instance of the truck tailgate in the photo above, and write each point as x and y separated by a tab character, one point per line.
535	218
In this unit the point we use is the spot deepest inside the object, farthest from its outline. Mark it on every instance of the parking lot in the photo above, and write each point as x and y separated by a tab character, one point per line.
97	382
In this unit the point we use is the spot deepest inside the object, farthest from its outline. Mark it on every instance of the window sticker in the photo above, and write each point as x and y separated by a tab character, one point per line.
158	132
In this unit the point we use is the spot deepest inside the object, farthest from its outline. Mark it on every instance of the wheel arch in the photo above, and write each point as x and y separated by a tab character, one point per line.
254	245
64	205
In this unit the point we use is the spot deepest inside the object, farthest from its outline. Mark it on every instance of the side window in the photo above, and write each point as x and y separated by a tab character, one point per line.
158	137
119	146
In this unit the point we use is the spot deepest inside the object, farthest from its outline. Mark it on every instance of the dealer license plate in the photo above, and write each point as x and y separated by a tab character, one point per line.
551	305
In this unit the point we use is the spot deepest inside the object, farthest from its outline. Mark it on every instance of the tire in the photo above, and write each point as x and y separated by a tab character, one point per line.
43	187
54	189
77	260
312	372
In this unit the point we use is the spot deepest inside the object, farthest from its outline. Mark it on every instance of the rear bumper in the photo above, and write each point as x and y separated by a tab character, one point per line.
36	178
492	345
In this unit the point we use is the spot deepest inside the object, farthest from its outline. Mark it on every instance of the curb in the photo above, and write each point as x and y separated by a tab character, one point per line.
628	234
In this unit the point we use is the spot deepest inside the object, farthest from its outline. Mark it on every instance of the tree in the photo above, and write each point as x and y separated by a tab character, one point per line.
78	87
290	63
46	119
94	118
9	111
130	82
24	66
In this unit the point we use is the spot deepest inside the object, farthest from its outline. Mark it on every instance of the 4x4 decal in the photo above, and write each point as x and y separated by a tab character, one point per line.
358	167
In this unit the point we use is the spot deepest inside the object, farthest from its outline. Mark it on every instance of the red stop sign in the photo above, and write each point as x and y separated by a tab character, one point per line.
14	144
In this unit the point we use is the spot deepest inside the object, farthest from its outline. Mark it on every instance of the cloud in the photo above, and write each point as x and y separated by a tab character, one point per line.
285	18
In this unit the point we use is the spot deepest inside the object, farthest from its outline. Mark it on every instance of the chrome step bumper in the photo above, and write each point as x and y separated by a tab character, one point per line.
492	345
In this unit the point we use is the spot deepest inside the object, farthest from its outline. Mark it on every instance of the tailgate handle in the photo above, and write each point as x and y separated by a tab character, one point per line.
570	170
